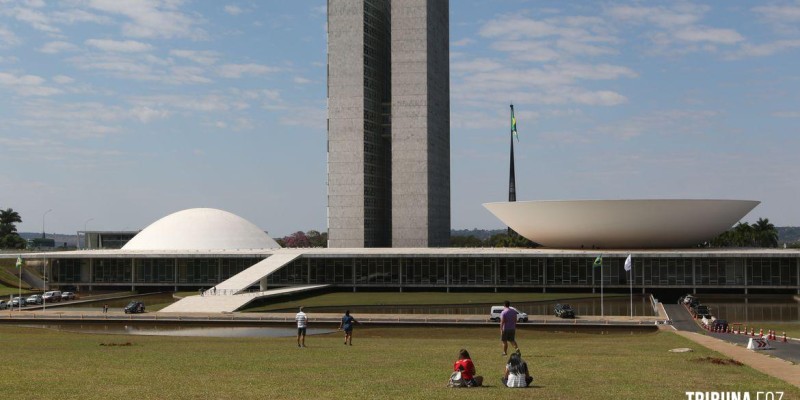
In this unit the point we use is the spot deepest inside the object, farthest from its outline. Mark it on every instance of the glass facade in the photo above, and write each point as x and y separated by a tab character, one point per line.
760	271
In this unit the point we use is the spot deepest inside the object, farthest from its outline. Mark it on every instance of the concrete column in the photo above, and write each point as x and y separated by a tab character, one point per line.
745	276
643	291
91	273
798	275
263	284
447	273
354	275
308	268
694	276
400	275
544	276
133	275
219	271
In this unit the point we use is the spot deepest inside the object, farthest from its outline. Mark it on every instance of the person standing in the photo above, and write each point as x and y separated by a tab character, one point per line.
347	326
105	308
302	324
508	326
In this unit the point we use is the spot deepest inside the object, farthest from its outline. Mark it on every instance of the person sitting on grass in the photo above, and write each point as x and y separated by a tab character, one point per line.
516	373
467	368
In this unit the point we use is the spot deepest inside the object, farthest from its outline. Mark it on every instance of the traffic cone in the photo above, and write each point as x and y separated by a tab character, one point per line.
761	333
772	334
753	332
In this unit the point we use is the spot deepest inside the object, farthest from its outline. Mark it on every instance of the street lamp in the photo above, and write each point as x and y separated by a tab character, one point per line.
43	215
85	243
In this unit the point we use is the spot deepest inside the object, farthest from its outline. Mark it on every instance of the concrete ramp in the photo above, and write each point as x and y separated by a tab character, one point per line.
254	274
229	303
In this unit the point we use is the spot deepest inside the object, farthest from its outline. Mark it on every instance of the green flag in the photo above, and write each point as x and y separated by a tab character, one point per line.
19	261
598	262
514	124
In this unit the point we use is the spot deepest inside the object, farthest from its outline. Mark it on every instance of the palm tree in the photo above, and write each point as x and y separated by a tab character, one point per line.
743	235
8	218
764	233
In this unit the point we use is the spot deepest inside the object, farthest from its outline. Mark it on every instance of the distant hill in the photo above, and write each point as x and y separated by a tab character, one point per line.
788	234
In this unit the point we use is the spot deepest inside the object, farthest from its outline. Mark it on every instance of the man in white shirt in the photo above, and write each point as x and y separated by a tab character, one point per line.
302	323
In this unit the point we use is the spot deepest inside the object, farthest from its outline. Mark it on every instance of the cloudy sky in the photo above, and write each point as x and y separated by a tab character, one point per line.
119	112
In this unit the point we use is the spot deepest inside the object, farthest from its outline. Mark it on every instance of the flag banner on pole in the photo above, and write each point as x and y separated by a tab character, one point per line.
628	263
598	262
514	124
19	261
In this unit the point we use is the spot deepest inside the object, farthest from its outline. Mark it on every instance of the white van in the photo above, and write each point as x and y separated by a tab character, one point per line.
494	314
52	296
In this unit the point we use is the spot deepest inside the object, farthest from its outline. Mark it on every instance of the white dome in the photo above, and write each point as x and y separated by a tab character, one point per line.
201	229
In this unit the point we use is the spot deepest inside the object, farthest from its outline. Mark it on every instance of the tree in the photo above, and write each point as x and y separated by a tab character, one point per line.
317	239
764	233
9	238
297	239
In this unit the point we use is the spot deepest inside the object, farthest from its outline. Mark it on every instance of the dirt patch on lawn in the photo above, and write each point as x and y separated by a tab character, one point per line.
718	361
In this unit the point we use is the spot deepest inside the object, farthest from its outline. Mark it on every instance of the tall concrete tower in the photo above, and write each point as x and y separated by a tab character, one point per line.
388	123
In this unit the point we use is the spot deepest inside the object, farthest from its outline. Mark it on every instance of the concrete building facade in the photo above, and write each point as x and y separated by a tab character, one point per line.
388	123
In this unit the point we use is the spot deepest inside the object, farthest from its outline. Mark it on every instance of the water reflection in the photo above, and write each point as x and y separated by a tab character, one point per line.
175	330
584	306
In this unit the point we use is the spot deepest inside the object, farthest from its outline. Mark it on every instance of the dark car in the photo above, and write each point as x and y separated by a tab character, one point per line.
564	311
719	325
701	311
134	307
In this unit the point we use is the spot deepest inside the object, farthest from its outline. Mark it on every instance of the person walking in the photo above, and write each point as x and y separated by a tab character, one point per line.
302	324
105	308
347	326
508	326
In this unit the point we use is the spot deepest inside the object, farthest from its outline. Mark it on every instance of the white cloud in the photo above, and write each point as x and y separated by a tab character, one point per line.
119	46
63	79
152	19
57	47
765	49
475	65
713	35
205	57
27	85
34	18
676	29
147	114
73	16
233	10
301	81
237	70
7	37
462	42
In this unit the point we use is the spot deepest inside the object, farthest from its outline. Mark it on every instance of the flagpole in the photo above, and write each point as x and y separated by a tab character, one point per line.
19	286
601	288
631	282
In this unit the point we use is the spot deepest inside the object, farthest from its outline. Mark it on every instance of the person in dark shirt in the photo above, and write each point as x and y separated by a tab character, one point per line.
346	325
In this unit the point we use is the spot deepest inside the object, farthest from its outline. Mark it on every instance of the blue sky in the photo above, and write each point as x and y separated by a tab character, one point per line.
123	111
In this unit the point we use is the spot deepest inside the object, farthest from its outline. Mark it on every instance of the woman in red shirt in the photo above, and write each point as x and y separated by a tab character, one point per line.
467	368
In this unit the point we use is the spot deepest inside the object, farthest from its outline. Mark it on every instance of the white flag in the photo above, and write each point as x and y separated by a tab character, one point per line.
628	263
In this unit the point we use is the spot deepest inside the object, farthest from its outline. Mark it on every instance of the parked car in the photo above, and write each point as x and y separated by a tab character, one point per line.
719	324
4	305
68	296
701	311
494	314
34	299
564	311
134	307
18	301
52	296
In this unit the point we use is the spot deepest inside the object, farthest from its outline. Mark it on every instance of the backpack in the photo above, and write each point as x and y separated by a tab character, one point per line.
456	380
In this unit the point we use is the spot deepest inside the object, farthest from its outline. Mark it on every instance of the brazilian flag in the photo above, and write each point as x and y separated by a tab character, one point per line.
598	262
514	124
19	262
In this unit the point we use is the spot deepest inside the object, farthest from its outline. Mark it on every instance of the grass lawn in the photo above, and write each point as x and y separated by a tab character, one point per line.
349	299
408	363
791	329
5	291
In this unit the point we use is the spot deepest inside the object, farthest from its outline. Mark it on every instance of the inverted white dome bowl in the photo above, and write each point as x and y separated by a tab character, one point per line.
621	224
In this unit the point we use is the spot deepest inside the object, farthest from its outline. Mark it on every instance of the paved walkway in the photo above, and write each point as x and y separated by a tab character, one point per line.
776	367
683	324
